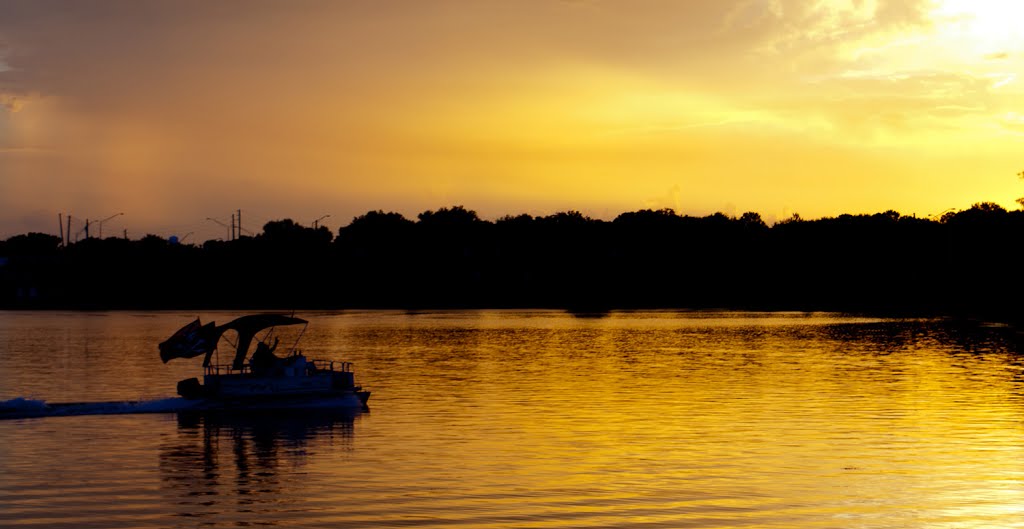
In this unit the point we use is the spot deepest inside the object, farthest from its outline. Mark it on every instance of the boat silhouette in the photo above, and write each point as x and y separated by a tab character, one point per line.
263	380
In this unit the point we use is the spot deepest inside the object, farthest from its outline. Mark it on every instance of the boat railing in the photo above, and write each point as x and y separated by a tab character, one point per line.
330	365
318	365
226	369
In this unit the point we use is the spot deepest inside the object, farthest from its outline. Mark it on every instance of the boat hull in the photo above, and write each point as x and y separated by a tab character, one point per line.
351	400
327	389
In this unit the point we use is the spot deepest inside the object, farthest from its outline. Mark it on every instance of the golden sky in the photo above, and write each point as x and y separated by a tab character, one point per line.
174	111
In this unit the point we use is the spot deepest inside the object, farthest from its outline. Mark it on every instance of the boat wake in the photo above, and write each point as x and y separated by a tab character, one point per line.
22	408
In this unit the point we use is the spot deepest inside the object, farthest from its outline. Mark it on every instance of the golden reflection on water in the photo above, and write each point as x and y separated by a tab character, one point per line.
543	419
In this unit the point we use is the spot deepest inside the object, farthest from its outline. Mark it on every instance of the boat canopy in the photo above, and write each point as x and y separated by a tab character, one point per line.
247	327
197	339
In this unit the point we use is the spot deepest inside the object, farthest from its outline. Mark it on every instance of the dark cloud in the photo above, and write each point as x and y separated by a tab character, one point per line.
272	105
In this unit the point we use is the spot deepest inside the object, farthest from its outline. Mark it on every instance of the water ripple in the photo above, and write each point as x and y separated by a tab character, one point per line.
537	419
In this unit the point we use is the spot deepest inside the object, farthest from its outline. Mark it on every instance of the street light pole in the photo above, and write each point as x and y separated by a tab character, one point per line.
106	219
222	224
317	221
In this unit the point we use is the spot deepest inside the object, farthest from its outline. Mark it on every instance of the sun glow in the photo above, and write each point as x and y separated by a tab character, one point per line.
978	38
982	37
991	26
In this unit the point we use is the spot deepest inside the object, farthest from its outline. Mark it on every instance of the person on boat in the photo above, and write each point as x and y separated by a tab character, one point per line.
264	359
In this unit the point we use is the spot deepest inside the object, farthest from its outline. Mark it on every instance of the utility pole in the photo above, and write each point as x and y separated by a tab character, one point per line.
60	225
239	224
68	231
232	226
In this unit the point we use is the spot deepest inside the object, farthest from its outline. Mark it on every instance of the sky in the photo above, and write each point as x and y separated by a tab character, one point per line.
173	112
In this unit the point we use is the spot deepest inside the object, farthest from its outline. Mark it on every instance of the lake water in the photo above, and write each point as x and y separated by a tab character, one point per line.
534	419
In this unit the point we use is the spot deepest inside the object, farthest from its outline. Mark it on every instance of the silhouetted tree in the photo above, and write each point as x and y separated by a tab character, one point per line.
964	263
33	243
793	219
752	220
152	241
376	228
449	217
288	233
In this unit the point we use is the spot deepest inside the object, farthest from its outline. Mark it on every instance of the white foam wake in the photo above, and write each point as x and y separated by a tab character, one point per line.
21	408
25	408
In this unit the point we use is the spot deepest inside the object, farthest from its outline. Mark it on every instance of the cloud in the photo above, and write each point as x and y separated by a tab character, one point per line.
185	106
1002	79
805	27
10	102
1013	121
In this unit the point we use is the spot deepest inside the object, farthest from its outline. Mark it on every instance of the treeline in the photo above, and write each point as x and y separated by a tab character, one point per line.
965	262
